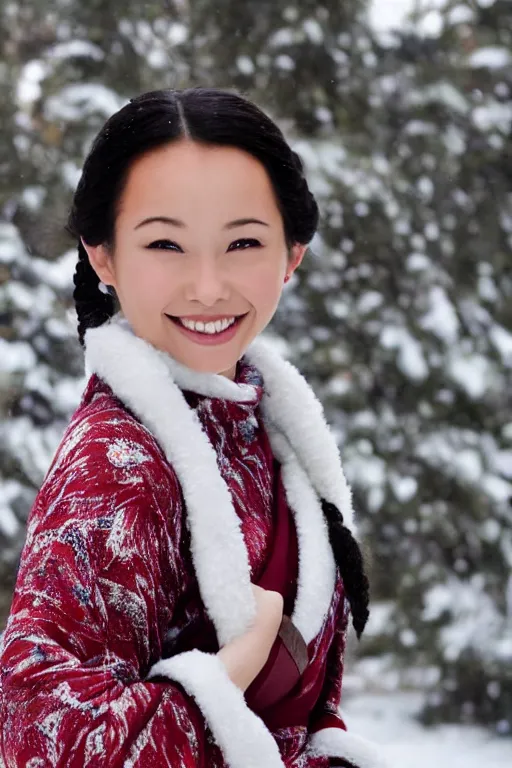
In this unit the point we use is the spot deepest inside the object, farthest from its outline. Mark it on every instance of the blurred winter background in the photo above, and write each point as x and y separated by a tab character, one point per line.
401	317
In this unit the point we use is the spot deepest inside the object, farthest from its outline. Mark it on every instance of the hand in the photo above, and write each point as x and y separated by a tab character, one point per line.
269	614
246	655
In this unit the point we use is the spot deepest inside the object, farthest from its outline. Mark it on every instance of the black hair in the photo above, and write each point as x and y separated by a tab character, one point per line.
213	117
350	562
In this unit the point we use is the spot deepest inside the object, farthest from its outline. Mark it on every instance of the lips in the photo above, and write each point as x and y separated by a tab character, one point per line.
205	318
208	339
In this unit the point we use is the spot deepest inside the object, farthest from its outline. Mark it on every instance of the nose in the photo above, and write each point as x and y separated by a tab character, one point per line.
207	283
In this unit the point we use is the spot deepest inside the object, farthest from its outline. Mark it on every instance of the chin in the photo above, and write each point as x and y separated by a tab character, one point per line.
209	363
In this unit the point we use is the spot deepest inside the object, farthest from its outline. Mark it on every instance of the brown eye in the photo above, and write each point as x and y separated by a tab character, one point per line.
246	243
164	245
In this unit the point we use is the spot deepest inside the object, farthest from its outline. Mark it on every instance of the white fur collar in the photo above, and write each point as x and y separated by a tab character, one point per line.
300	439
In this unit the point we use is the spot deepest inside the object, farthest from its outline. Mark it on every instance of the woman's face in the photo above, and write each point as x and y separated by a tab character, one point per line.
199	239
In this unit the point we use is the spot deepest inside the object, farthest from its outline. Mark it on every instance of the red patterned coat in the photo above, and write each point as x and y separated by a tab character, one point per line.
140	549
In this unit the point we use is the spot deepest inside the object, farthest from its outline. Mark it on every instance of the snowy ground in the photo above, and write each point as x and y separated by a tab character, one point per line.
386	719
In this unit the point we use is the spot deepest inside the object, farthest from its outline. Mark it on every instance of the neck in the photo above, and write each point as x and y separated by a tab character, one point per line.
230	374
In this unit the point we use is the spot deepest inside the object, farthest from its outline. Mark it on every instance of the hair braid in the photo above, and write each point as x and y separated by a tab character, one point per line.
349	559
93	308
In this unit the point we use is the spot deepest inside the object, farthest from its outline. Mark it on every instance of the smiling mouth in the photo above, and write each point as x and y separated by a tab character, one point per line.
210	331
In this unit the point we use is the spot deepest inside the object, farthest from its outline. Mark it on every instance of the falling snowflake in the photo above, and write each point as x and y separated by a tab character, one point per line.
125	453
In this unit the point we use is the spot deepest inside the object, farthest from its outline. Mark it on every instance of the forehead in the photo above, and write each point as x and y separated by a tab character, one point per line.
186	176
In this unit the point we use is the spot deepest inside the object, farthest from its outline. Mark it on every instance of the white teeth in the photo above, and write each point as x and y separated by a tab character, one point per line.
211	328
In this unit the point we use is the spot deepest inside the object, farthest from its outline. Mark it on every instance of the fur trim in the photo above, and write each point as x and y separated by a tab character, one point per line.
218	548
244	740
291	406
208	385
334	742
317	568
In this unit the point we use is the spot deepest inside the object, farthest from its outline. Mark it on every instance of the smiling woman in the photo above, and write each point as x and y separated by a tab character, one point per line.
191	561
206	262
197	218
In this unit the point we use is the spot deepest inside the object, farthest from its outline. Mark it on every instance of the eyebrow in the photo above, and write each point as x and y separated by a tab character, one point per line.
178	223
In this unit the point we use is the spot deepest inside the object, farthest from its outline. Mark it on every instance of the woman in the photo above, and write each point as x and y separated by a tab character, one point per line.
189	568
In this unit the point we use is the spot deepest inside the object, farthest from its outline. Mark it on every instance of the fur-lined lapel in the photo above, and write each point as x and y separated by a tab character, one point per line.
139	376
290	404
300	440
317	570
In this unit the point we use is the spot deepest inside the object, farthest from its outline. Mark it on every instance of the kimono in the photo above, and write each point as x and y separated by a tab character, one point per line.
170	492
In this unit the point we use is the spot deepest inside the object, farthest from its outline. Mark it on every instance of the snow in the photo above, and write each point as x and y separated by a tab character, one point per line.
441	318
417	262
493	115
177	33
461	14
33	197
502	340
363	469
281	38
63	51
404	488
460	453
75	102
443	91
28	87
369	301
386	15
16	356
474	618
387	720
492	57
432	231
57	273
245	65
425	188
70	174
468	465
454	140
497	488
487	288
323	114
34	448
9	523
503	463
410	358
431	25
285	62
313	30
471	372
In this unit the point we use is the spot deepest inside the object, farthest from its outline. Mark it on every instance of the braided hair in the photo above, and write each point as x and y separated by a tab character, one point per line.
93	306
349	559
212	117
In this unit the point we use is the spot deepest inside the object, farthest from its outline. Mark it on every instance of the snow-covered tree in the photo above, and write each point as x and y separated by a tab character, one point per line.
406	327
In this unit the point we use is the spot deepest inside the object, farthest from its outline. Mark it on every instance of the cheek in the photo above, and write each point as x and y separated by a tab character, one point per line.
142	277
263	287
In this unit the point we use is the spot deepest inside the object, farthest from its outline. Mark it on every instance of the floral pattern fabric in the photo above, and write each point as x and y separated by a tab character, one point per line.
106	587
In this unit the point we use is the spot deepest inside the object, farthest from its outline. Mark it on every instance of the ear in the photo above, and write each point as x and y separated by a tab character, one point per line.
101	261
296	255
